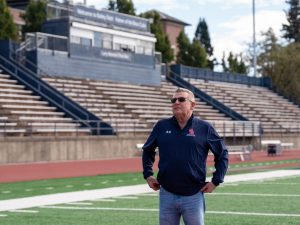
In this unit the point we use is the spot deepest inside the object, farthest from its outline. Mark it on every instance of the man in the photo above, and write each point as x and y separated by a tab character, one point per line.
183	142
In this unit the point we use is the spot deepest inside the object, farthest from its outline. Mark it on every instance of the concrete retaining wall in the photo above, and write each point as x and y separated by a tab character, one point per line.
50	149
54	149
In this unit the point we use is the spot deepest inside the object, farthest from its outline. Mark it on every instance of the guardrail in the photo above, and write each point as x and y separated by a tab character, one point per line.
16	127
179	81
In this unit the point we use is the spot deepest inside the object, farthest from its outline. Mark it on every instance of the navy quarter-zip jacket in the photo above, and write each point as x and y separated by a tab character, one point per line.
183	154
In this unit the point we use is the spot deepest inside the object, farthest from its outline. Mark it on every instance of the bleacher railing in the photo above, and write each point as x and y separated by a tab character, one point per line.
179	81
206	74
43	89
25	128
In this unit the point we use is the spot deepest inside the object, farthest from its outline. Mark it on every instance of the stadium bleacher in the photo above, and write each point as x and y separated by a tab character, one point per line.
25	114
256	103
132	109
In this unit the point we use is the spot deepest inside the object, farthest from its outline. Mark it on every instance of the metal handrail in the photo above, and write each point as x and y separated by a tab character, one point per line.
43	89
176	79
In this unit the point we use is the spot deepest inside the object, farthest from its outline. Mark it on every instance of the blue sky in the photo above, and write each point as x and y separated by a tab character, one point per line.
229	21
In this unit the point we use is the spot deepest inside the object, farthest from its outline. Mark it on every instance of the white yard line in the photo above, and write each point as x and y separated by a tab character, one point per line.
254	214
156	210
104	200
79	203
126	197
23	211
61	198
255	194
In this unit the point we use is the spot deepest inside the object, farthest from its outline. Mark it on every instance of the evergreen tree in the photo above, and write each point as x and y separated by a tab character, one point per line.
112	5
190	54
224	65
202	35
197	54
34	16
183	55
122	6
8	29
292	30
163	44
234	64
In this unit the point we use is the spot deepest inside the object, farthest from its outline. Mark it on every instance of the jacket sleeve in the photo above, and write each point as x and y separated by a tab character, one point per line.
149	152
218	148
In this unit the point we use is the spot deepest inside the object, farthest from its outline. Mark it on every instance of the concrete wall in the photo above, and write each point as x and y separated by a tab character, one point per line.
51	149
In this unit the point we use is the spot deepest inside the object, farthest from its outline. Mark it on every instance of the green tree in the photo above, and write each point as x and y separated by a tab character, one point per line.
197	54
183	55
292	29
122	6
190	54
8	29
202	35
282	64
163	44
268	49
234	64
112	5
34	16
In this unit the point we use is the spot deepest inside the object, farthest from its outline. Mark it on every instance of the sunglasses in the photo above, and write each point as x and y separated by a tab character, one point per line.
180	99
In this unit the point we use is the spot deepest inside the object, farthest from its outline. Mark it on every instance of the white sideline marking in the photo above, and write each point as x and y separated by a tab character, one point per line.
69	186
77	196
6	192
23	211
256	194
156	210
2	215
87	184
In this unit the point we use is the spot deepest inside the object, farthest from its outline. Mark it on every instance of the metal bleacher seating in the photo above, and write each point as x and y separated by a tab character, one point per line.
24	114
133	108
260	104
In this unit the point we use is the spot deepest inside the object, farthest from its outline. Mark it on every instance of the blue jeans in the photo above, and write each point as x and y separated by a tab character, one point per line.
172	207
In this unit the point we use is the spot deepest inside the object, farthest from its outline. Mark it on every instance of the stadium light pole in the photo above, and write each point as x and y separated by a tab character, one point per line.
254	39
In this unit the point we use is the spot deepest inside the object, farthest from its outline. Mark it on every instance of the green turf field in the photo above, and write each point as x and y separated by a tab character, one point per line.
270	202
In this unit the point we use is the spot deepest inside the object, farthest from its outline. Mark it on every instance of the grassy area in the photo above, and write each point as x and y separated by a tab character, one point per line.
270	202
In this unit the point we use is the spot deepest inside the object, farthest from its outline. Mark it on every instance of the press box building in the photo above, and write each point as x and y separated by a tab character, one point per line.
81	41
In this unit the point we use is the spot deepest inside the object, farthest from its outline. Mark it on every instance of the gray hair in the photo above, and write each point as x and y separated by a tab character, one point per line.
191	94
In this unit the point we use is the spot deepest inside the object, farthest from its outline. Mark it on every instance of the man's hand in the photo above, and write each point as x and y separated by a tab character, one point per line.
153	183
208	188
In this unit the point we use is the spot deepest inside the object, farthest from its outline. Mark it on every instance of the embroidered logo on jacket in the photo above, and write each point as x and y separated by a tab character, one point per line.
191	132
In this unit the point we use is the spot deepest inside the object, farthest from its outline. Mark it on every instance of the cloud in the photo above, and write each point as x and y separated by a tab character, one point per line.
238	32
163	5
234	3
